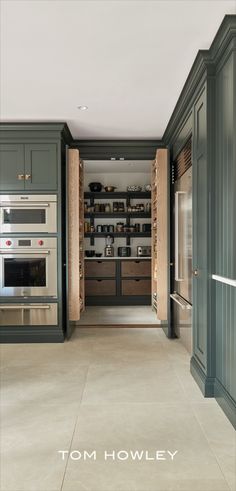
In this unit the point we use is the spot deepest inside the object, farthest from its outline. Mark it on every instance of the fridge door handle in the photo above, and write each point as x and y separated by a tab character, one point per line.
177	273
180	301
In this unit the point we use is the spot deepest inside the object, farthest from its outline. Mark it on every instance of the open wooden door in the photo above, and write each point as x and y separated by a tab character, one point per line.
160	246
75	217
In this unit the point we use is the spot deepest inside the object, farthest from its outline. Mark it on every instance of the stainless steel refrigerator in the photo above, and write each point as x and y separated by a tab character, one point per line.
182	284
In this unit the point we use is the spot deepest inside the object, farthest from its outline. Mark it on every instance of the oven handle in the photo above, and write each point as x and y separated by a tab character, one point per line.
24	307
15	204
23	252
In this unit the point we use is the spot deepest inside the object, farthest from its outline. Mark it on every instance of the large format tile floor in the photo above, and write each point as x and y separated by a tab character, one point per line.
109	390
136	315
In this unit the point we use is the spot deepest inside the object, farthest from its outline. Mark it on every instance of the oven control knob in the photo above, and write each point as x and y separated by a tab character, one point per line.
40	242
8	242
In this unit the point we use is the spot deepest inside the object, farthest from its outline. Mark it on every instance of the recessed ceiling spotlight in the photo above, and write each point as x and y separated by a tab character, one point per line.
83	108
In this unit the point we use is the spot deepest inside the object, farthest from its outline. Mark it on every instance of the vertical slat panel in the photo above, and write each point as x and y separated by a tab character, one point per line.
73	235
225	225
160	233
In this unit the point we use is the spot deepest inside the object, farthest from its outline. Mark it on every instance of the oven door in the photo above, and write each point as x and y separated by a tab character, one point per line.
27	274
34	215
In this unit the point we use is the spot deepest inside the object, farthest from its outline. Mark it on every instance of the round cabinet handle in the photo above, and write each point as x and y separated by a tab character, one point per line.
27	177
195	272
137	262
99	280
21	177
137	280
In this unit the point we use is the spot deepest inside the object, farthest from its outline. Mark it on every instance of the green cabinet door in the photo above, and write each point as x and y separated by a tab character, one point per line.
11	167
41	166
200	233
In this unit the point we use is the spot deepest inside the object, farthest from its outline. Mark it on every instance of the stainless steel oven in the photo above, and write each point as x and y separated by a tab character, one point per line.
28	213
28	267
31	314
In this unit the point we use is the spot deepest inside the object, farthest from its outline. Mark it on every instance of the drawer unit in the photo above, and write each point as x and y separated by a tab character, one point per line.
135	268
100	269
136	287
100	287
30	314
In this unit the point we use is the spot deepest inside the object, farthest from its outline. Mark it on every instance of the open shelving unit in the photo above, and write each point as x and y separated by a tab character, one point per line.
127	195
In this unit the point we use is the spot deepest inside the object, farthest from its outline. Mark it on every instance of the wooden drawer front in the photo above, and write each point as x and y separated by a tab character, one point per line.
136	268
136	287
100	268
100	287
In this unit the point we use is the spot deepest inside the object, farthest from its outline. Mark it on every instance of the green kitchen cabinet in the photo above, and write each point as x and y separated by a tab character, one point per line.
12	167
40	166
28	167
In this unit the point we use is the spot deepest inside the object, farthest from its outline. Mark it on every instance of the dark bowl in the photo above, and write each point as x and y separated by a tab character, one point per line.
95	187
89	253
98	254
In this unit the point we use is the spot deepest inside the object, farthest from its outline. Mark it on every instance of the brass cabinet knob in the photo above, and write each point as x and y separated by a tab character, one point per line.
27	177
195	272
21	177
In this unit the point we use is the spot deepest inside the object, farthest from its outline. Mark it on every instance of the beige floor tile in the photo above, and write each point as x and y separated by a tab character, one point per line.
191	389
136	382
76	351
142	427
139	314
221	437
55	384
31	436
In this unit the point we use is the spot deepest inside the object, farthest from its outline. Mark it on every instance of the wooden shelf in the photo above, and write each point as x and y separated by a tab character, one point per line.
118	214
119	194
117	234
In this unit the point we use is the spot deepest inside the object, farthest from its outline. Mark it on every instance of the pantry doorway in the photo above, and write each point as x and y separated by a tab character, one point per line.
114	241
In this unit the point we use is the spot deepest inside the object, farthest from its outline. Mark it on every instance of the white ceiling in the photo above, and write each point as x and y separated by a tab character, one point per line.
127	60
117	167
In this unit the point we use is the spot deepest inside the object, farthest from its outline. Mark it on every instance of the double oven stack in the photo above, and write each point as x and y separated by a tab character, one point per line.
28	260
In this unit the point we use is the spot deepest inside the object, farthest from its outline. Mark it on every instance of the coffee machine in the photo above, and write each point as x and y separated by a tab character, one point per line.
109	249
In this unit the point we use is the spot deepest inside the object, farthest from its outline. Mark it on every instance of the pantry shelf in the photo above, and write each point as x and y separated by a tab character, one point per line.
120	214
119	194
117	234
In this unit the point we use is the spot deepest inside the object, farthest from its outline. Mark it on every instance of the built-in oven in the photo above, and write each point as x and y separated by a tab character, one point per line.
28	213
28	267
31	314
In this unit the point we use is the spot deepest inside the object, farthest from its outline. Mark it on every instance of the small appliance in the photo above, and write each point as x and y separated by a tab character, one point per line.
144	251
28	213
124	251
109	249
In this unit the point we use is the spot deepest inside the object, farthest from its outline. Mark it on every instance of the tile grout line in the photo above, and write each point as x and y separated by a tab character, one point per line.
201	426
72	436
213	452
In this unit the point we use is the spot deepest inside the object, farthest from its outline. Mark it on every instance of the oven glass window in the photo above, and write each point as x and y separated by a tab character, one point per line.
15	216
25	272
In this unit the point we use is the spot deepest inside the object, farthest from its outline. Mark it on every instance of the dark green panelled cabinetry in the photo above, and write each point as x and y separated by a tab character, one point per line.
225	231
41	165
33	160
200	229
206	110
12	167
29	167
